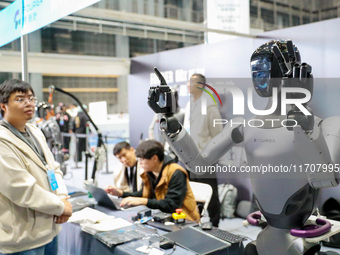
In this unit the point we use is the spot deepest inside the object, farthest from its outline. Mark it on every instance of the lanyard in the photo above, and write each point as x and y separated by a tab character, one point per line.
16	132
131	177
35	147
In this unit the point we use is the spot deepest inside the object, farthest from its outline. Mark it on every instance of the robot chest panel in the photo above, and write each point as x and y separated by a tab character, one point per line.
269	146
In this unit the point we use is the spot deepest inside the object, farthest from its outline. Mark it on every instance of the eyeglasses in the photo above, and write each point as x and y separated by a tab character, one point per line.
21	100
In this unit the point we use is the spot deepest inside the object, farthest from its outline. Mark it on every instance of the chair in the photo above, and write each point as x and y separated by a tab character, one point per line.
202	193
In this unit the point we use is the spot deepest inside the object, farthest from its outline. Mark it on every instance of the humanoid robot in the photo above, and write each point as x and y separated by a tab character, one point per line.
51	130
291	137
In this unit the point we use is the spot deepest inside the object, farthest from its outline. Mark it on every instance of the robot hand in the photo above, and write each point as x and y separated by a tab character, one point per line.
162	100
296	75
301	78
305	121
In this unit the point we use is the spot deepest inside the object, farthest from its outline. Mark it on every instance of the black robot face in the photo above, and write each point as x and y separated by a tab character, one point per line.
261	73
42	109
268	69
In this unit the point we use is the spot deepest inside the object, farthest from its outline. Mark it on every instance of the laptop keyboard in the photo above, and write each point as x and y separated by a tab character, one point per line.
225	235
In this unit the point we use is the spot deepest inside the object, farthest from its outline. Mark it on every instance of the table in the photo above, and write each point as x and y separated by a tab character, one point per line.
73	241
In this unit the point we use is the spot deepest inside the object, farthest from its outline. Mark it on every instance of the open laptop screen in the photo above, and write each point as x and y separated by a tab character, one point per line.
103	198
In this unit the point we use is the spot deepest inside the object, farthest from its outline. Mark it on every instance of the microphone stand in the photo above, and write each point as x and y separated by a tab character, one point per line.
100	137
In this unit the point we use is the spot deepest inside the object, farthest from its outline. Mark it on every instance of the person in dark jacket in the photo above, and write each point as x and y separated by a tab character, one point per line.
64	122
165	184
80	128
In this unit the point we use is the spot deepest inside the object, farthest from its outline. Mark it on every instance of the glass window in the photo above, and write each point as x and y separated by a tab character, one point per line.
84	97
296	20
56	40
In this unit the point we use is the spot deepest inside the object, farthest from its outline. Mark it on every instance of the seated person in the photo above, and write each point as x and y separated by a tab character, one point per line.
128	177
166	184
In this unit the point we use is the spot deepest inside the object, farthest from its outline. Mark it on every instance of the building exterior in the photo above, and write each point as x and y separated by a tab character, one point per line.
88	53
275	14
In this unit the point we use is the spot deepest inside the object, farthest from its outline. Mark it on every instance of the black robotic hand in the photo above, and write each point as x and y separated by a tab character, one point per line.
305	121
162	100
296	75
301	78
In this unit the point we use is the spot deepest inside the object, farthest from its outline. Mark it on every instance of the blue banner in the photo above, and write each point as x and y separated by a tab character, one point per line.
10	22
25	16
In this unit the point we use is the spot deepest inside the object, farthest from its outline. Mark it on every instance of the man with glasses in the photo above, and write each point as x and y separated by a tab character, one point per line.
33	196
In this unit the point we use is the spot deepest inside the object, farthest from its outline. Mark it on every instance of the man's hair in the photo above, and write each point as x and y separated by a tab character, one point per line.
7	88
200	77
119	146
149	148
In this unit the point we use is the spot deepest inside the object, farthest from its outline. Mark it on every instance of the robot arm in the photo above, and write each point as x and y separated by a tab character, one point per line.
309	130
185	147
317	160
331	131
161	100
323	153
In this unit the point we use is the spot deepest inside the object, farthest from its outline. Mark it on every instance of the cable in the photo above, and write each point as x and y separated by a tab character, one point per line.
173	250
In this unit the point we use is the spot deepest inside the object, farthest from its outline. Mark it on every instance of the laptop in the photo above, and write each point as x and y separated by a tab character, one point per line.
196	240
103	198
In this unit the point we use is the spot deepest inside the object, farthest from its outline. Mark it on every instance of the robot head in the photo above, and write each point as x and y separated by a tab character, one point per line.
42	109
270	63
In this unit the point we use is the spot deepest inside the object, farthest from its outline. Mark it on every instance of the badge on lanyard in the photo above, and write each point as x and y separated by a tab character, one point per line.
52	180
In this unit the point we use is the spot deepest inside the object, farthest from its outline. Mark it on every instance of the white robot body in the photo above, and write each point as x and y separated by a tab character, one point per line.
293	163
